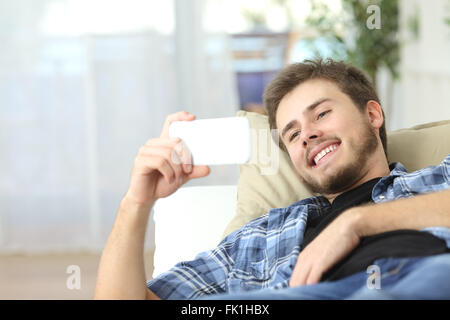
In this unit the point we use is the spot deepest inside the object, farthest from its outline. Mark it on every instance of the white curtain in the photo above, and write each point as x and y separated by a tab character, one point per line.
77	100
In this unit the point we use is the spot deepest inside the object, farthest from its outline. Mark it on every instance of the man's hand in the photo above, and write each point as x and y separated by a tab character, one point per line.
162	165
334	243
160	168
343	235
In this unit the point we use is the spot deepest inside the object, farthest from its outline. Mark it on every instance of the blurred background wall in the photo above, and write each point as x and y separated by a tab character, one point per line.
83	84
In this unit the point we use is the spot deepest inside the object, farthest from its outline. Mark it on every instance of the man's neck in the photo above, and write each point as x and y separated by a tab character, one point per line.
372	173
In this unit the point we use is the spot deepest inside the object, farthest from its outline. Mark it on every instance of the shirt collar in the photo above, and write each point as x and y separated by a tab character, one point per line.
396	169
360	194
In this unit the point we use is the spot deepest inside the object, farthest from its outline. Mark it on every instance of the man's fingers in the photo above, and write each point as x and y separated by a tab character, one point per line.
301	278
199	172
168	154
300	273
178	155
185	156
180	152
314	276
159	163
163	142
179	116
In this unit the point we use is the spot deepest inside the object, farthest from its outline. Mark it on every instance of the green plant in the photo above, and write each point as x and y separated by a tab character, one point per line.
367	48
256	19
413	23
447	18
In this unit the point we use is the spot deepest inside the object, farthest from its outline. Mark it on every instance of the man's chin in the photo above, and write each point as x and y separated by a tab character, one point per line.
338	175
331	182
314	185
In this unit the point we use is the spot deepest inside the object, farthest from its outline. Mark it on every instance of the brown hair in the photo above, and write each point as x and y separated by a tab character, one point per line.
349	79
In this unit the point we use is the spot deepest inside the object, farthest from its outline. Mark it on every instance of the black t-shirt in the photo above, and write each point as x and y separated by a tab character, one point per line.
398	243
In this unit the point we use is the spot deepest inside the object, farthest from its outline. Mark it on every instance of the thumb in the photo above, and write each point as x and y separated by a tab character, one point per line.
199	172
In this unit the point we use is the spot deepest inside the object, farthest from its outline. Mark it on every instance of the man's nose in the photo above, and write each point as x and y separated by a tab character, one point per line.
310	134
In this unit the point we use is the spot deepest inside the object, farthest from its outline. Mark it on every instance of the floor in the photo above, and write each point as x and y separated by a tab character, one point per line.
46	277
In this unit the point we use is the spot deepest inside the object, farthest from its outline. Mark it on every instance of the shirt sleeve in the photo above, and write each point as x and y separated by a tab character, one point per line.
426	180
204	275
437	178
446	169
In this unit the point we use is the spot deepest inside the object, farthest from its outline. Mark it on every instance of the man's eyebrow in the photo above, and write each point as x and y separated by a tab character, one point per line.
310	108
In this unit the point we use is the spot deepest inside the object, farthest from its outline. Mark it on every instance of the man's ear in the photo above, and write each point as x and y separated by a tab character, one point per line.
374	113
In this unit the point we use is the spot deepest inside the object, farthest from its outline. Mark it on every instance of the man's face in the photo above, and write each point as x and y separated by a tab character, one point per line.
329	140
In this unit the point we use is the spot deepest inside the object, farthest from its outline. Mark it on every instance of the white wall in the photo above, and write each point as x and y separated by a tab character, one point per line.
425	65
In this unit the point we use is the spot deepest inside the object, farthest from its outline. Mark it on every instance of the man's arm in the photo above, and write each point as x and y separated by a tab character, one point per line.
121	273
155	175
343	235
418	212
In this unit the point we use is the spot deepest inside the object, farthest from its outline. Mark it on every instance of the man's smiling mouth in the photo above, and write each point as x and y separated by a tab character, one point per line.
323	153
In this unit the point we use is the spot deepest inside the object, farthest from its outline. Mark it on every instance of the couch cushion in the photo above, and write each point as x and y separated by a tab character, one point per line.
420	146
261	188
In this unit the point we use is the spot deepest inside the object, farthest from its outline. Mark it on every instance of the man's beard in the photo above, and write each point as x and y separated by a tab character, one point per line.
348	175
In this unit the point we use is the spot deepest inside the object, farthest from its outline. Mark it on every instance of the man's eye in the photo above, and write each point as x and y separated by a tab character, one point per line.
322	114
294	135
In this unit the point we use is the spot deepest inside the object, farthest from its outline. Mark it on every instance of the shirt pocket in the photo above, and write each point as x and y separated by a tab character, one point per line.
250	275
260	269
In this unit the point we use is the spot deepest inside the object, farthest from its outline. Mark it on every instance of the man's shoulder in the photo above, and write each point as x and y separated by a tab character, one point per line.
401	183
397	169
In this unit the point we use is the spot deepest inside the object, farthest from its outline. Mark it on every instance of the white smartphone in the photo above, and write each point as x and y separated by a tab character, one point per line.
215	141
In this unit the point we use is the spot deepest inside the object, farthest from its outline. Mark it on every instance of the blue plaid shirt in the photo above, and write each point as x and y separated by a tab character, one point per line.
263	253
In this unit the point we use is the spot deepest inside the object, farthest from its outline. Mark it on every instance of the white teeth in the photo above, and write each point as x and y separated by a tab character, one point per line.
321	154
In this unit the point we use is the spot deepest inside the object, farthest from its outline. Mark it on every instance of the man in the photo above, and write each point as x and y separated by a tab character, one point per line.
332	126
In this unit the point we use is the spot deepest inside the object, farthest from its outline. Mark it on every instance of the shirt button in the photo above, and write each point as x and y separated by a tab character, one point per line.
381	197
